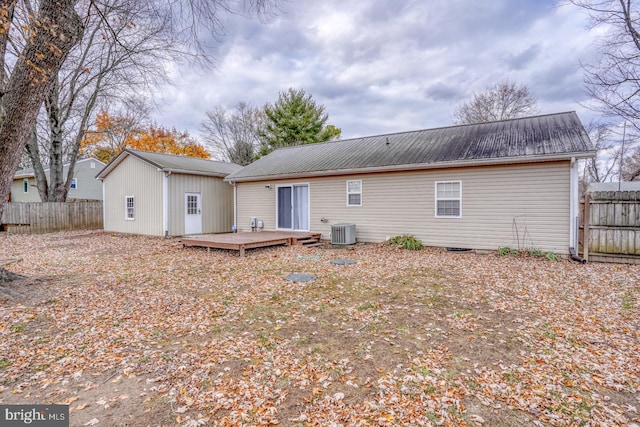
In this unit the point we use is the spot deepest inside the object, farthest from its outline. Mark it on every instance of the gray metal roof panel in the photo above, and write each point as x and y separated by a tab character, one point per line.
553	135
185	164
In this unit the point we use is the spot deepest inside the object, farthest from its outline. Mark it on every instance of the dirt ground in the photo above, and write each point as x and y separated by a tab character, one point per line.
138	331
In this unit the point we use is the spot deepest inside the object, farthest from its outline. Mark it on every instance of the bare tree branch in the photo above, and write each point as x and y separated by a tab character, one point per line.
234	135
504	100
614	81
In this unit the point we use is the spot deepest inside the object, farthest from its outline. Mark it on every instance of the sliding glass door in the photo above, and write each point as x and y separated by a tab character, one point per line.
292	207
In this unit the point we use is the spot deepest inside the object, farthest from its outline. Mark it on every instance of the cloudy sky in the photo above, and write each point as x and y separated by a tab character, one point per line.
381	66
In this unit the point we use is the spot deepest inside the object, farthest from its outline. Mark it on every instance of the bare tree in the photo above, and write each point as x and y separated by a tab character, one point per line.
631	166
504	100
613	161
234	135
615	80
605	165
54	27
114	59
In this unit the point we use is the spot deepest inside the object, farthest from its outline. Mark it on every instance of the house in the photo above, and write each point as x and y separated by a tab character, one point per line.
166	195
84	185
507	183
614	186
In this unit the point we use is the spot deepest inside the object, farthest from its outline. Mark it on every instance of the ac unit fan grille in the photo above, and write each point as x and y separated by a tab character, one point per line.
343	234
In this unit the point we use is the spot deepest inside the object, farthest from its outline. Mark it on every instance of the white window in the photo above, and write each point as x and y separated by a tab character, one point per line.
354	193
449	199
74	183
93	165
129	208
192	204
25	185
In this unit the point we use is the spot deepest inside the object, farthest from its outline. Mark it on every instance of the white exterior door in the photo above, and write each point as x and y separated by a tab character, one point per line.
192	213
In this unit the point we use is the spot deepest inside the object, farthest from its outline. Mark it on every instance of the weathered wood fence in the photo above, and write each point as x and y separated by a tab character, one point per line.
611	224
51	216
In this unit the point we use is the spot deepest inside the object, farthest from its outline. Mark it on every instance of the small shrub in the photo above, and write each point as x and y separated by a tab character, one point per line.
504	250
406	241
4	363
535	252
552	256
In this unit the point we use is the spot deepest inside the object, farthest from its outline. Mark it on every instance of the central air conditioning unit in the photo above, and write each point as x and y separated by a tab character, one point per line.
343	234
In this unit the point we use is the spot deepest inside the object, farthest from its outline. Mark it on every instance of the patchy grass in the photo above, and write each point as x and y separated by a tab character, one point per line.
138	331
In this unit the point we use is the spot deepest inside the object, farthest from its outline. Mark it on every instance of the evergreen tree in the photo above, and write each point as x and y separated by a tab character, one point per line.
295	119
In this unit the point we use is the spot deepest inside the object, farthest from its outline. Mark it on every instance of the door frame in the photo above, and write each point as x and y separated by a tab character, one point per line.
292	185
187	215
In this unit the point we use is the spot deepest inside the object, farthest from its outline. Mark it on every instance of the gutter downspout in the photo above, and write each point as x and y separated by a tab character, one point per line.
104	211
573	211
575	257
234	227
573	190
165	203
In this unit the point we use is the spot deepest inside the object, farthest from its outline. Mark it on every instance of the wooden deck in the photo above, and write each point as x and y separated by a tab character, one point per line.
241	241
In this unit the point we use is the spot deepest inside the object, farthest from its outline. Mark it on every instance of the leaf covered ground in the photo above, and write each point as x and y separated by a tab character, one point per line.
138	331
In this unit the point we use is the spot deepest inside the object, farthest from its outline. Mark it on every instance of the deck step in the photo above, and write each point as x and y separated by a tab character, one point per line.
316	244
306	241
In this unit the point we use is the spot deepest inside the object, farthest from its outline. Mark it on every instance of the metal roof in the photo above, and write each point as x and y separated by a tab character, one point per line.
174	163
530	139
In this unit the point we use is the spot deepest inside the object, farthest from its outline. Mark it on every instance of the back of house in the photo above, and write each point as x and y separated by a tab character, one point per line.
508	183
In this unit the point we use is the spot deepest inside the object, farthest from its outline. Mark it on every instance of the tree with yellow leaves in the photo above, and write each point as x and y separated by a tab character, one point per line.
112	134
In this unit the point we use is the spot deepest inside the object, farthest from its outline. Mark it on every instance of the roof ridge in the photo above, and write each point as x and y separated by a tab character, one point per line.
133	150
429	129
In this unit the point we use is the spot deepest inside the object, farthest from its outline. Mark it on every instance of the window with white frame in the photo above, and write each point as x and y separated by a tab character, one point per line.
129	208
74	183
354	192
25	185
449	199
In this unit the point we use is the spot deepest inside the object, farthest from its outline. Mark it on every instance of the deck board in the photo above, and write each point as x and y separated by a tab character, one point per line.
246	240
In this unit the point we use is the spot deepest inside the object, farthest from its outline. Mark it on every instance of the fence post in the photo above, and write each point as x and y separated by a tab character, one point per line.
586	215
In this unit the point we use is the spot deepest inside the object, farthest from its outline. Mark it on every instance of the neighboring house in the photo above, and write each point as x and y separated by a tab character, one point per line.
84	185
614	186
166	195
508	183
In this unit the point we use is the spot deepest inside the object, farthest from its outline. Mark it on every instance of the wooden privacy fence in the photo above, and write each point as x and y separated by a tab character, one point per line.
51	216
612	226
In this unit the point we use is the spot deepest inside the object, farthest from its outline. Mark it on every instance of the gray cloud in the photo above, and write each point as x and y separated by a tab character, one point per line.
443	92
384	66
524	58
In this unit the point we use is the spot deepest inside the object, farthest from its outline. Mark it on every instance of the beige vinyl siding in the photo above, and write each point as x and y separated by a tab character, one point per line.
89	188
256	200
524	205
216	198
18	194
135	178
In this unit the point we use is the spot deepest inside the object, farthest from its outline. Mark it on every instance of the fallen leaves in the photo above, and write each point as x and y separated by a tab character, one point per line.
400	337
